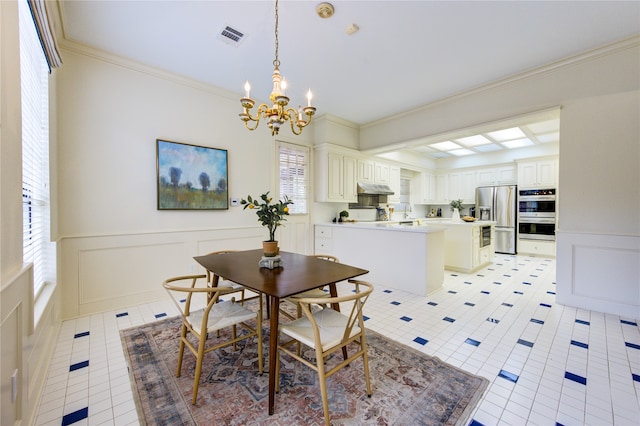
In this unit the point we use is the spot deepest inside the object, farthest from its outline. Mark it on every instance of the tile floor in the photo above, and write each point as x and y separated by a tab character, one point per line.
547	364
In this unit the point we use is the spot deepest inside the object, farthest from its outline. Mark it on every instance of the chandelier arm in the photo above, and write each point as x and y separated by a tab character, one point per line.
262	108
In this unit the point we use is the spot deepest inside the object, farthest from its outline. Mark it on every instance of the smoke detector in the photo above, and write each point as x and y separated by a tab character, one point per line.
325	10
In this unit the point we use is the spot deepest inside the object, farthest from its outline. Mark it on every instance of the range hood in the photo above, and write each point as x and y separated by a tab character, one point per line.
373	189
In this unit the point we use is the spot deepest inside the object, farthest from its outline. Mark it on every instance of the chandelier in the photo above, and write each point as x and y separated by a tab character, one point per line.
277	114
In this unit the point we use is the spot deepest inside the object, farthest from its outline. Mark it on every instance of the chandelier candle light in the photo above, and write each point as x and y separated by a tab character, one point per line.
278	113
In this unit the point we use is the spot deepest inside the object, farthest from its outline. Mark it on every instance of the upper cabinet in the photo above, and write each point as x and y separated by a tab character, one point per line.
538	174
365	170
498	175
394	184
423	188
335	175
381	173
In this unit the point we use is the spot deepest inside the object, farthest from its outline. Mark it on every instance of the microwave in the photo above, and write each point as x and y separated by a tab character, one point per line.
539	203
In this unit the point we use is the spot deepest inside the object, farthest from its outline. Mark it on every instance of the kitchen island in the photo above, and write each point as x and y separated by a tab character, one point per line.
408	258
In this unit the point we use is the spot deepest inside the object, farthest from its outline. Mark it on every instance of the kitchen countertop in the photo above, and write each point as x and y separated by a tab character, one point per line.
427	225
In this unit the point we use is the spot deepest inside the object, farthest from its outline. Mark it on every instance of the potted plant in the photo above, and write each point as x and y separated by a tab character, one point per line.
456	206
270	215
343	214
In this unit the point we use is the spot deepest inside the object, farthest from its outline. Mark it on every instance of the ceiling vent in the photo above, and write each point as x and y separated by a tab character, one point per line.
231	36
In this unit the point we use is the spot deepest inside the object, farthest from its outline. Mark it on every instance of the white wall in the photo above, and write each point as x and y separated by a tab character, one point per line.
599	163
116	246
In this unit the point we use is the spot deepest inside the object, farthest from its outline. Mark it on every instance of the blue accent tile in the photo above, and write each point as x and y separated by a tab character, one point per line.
509	305
525	342
161	315
629	323
123	314
479	275
469	304
472	342
635	377
580	344
467	282
454	275
474	422
518	292
533	276
551	292
432	303
448	319
509	376
526	283
546	305
559	424
387	291
79	365
420	341
183	300
85	333
452	292
395	303
497	282
537	321
583	322
493	320
364	318
575	378
485	292
515	269
631	345
506	275
407	319
76	416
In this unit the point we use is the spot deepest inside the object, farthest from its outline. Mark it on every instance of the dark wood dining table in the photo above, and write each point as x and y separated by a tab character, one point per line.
298	273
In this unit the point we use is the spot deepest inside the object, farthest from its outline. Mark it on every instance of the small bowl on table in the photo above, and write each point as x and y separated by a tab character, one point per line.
469	219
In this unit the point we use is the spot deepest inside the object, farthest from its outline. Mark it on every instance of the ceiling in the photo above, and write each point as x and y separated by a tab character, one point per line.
405	54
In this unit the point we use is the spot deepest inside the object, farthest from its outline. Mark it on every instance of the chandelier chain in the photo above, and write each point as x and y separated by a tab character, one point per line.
276	61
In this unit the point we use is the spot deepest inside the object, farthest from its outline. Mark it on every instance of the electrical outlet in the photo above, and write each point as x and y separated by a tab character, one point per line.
235	202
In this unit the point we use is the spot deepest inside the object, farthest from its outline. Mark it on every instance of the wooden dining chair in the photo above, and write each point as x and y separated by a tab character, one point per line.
327	331
315	293
222	282
216	315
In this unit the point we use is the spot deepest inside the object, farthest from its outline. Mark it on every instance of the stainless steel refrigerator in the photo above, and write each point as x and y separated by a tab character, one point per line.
499	203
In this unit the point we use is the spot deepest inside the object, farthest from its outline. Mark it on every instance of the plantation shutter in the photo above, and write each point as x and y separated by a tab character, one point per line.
294	176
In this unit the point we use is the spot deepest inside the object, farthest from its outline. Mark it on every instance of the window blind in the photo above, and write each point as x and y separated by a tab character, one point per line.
294	176
34	81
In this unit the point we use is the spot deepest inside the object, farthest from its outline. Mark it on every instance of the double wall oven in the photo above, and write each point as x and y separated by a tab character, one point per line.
537	214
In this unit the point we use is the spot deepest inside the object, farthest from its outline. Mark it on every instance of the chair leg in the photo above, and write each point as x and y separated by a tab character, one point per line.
365	364
183	336
323	387
196	378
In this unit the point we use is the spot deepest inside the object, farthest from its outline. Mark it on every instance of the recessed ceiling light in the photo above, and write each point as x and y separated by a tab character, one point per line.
461	152
421	148
551	137
518	143
445	146
544	126
488	148
507	134
473	140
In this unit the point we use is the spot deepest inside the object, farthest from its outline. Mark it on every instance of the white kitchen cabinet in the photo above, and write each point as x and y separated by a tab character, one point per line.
381	173
500	175
365	170
323	240
462	247
537	248
394	184
442	189
423	188
335	176
537	174
468	187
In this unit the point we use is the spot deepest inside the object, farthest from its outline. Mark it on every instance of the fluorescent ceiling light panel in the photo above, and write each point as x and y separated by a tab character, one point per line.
488	148
518	143
439	155
473	140
507	134
551	137
461	152
445	146
545	126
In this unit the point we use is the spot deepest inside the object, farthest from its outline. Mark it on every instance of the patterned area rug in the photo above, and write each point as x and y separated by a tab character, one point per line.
409	387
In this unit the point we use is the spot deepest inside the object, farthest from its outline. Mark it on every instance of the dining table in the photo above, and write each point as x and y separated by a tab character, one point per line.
296	274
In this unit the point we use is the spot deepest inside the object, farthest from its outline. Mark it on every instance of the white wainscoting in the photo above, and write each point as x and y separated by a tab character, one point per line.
599	272
104	273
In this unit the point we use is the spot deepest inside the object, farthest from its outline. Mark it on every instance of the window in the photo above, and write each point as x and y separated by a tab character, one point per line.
34	82
294	176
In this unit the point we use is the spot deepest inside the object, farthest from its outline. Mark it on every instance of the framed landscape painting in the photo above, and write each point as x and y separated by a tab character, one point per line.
191	177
